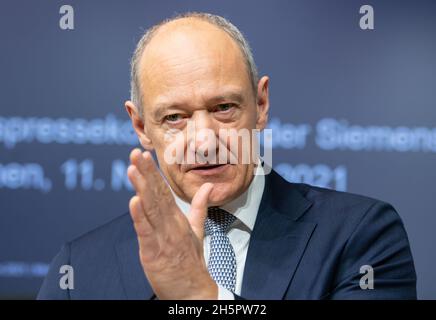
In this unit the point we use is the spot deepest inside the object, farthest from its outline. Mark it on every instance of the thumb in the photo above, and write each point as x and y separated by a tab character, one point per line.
198	211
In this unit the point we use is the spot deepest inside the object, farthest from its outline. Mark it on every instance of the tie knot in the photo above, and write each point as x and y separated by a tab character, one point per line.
218	221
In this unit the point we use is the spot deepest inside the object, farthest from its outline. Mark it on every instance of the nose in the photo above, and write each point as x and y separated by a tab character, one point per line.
202	137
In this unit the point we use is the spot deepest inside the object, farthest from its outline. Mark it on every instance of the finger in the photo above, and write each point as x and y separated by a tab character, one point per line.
148	244
137	180
160	185
156	198
149	170
146	165
198	211
143	189
142	225
137	158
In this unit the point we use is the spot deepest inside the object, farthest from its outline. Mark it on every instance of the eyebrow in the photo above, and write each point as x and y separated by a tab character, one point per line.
233	96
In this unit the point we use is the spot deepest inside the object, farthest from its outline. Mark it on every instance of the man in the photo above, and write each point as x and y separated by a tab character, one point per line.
208	230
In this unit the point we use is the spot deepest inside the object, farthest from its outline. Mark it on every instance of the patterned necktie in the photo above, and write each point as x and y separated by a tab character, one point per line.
222	259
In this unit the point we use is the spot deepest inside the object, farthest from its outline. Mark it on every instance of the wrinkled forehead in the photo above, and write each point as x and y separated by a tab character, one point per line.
191	59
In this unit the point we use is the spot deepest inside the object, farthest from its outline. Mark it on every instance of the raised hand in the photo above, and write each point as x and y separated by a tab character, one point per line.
170	243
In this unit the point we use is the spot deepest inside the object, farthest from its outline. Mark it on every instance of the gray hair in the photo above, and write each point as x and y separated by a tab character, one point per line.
220	22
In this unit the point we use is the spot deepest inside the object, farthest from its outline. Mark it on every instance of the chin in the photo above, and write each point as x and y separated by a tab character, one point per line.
222	194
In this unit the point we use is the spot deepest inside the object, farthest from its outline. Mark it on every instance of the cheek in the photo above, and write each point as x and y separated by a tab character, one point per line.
170	171
171	147
168	147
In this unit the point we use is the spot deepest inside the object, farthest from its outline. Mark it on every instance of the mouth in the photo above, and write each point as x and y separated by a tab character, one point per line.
209	169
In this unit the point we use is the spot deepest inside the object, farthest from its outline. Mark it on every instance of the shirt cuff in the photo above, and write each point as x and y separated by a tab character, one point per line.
224	294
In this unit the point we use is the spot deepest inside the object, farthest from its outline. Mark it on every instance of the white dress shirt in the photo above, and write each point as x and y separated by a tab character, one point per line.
245	209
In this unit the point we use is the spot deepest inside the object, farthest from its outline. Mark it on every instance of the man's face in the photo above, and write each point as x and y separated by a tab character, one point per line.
193	72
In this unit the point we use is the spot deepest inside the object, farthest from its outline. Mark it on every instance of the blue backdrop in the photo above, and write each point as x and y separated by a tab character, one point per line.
352	109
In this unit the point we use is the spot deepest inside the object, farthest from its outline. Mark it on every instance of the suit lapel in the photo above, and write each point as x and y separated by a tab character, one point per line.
277	242
134	281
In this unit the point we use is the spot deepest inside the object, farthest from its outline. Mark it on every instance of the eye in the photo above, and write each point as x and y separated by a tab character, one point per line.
223	107
173	117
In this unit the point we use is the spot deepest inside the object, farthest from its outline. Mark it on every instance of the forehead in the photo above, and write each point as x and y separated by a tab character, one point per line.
190	60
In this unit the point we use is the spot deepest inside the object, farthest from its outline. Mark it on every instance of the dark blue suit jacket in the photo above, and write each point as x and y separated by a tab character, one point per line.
307	243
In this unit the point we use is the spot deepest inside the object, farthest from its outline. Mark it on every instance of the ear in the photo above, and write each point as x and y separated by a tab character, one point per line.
262	103
139	125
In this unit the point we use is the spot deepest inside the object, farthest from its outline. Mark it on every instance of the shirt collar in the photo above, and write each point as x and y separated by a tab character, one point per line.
244	207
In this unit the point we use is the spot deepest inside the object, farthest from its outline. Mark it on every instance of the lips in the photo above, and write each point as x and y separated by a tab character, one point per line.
203	166
207	169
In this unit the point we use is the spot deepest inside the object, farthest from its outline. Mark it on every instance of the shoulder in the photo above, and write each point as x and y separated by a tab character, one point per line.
105	237
339	200
329	207
349	210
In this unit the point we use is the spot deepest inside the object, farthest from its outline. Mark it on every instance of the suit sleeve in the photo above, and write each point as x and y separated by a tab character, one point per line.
50	289
379	242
